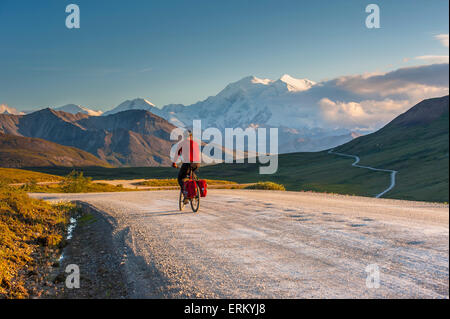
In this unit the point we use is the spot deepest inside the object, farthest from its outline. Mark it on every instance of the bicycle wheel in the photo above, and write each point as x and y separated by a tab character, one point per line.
195	202
181	201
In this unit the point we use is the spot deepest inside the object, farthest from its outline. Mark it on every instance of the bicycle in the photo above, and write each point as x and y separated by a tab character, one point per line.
194	201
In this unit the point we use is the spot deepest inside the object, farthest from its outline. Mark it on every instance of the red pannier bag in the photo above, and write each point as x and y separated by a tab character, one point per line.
190	191
203	187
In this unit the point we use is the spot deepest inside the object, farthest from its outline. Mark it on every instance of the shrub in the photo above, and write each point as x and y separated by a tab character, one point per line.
75	182
267	186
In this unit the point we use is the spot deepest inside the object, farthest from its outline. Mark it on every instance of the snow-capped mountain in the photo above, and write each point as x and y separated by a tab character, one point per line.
284	103
288	103
296	85
250	102
5	109
74	109
136	104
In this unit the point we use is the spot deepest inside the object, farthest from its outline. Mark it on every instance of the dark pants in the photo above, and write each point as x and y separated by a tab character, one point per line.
185	171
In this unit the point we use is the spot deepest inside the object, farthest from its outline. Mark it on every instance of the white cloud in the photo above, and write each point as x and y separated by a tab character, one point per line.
443	38
369	101
4	108
433	58
401	83
367	114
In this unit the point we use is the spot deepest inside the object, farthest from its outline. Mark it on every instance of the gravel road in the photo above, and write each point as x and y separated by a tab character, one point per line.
267	244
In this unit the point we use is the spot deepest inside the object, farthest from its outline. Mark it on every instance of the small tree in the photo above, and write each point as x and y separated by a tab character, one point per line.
75	182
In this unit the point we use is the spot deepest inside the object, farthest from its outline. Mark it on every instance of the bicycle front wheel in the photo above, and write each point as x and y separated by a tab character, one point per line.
181	201
195	202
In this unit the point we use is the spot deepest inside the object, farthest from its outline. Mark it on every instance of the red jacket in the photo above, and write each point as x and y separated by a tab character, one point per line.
192	147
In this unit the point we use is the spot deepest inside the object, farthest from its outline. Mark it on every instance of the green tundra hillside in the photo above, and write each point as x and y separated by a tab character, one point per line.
416	144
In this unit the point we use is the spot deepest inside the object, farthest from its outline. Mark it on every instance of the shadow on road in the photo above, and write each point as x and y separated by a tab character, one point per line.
170	212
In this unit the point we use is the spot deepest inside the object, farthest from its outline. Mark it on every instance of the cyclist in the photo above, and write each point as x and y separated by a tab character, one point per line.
190	153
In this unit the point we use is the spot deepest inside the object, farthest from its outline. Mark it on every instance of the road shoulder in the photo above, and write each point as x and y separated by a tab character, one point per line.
92	249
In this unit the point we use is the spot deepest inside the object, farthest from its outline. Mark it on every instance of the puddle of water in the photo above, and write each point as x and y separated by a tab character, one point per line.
72	225
357	225
70	229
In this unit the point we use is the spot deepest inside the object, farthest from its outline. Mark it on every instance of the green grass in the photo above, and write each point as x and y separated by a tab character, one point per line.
86	219
419	153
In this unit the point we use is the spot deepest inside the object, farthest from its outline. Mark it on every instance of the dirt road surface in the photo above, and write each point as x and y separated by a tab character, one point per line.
267	244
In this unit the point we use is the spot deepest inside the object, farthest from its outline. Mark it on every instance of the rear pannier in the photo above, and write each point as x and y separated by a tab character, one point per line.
203	187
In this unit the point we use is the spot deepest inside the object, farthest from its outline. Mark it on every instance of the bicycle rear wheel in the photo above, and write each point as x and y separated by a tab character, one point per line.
195	202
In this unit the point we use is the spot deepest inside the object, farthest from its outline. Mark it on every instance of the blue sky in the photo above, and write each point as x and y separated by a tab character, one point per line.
184	51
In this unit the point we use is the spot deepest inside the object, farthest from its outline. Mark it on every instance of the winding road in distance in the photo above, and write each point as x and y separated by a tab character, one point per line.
355	164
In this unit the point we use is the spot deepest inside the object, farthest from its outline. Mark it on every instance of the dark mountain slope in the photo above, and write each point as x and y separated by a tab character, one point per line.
18	151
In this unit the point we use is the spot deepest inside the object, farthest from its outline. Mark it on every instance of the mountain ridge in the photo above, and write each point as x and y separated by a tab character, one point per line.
129	138
74	109
135	104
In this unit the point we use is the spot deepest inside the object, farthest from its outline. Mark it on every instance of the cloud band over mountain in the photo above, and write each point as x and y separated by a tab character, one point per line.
371	100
